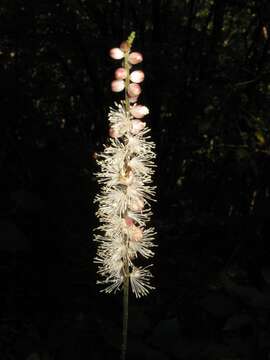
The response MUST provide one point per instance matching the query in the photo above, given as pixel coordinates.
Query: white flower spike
(125, 178)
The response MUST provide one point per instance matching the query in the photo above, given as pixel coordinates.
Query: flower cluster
(126, 170)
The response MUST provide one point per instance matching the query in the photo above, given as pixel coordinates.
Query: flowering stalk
(126, 170)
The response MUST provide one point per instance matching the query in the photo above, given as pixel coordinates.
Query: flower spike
(125, 178)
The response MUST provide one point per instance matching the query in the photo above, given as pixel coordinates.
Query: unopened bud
(136, 126)
(124, 46)
(117, 85)
(137, 76)
(116, 54)
(135, 58)
(139, 111)
(120, 73)
(134, 90)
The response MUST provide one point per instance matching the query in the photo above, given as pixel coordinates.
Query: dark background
(207, 86)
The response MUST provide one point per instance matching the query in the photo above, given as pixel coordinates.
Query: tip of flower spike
(131, 38)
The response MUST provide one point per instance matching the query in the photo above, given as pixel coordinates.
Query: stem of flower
(126, 265)
(126, 65)
(125, 315)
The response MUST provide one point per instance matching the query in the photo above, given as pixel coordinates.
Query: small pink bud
(133, 99)
(124, 46)
(117, 85)
(134, 90)
(136, 234)
(136, 205)
(137, 76)
(116, 54)
(135, 58)
(128, 221)
(139, 111)
(136, 126)
(120, 73)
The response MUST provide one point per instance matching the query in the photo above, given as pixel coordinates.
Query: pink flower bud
(136, 126)
(135, 58)
(116, 53)
(137, 76)
(139, 111)
(134, 90)
(133, 99)
(136, 233)
(120, 73)
(117, 85)
(136, 205)
(124, 46)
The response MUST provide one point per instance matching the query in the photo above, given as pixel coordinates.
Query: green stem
(125, 317)
(126, 65)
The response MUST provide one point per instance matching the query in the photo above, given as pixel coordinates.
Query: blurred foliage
(207, 85)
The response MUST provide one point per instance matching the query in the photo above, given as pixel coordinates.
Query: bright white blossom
(125, 178)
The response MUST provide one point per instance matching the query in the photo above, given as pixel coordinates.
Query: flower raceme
(125, 178)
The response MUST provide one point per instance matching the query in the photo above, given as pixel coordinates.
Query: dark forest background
(207, 86)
